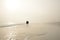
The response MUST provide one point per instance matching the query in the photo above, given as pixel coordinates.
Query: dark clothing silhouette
(27, 22)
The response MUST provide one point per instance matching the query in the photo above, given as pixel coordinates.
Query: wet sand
(30, 32)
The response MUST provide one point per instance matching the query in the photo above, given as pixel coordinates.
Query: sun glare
(11, 4)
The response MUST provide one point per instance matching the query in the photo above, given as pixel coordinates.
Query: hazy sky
(36, 11)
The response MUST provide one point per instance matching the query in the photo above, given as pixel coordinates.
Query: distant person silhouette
(27, 22)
